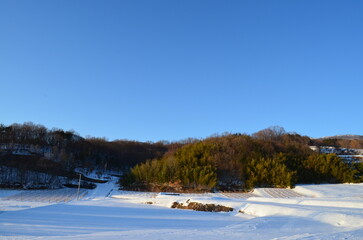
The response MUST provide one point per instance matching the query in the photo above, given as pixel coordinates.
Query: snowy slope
(307, 212)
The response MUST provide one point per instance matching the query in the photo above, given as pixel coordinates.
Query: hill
(346, 136)
(239, 162)
(32, 156)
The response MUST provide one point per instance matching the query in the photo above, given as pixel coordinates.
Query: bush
(189, 168)
(269, 172)
(326, 168)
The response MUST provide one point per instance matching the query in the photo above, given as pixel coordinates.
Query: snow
(349, 155)
(306, 212)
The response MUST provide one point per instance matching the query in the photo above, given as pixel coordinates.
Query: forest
(29, 149)
(32, 156)
(240, 162)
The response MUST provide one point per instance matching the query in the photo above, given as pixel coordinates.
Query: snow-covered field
(306, 212)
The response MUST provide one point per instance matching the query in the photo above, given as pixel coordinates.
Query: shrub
(269, 172)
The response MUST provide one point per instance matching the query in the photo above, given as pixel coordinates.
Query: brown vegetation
(202, 207)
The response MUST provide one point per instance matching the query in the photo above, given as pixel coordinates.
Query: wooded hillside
(28, 149)
(268, 158)
(32, 156)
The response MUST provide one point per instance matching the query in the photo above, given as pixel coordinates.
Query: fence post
(79, 186)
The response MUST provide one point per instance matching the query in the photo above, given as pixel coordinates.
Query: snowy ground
(306, 212)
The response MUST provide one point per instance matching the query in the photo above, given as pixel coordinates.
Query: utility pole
(79, 186)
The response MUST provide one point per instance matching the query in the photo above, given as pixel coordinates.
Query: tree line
(28, 148)
(240, 162)
(270, 157)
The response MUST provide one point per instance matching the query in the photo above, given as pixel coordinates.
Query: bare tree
(273, 133)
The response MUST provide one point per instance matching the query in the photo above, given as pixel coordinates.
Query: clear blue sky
(168, 70)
